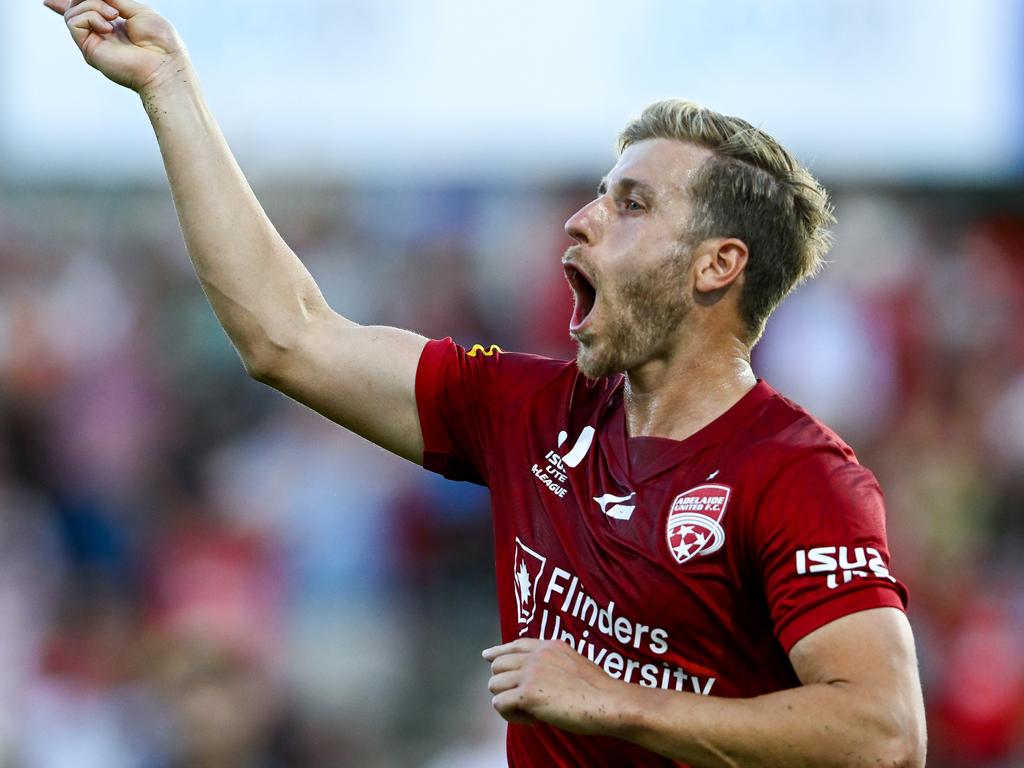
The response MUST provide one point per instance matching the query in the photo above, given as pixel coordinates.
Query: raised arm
(359, 376)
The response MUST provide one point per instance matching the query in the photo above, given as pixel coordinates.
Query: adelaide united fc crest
(695, 521)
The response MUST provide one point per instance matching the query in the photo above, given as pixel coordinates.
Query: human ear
(719, 262)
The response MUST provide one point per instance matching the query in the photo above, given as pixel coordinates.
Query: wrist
(174, 77)
(621, 712)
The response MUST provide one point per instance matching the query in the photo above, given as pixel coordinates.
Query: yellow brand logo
(485, 352)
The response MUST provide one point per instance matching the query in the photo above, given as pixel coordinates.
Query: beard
(639, 318)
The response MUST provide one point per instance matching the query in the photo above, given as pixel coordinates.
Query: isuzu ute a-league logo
(528, 567)
(555, 472)
(695, 522)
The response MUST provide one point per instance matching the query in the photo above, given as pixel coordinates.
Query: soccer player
(691, 569)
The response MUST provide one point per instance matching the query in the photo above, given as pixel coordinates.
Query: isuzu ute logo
(579, 450)
(695, 521)
(553, 472)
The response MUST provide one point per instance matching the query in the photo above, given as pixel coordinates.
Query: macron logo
(620, 511)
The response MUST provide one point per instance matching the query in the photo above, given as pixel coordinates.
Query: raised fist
(127, 41)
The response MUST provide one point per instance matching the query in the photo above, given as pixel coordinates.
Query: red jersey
(690, 565)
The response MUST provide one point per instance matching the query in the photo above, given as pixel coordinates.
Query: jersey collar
(643, 458)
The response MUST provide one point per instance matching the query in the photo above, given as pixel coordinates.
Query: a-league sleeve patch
(488, 352)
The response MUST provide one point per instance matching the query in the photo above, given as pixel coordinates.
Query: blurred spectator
(196, 572)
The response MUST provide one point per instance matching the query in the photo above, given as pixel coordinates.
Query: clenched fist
(127, 41)
(548, 680)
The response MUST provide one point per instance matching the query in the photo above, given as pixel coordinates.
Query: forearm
(261, 292)
(812, 725)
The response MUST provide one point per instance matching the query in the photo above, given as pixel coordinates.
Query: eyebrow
(627, 184)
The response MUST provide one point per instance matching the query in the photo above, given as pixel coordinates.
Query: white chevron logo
(620, 511)
(579, 450)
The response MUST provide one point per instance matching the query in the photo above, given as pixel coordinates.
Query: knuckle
(77, 9)
(527, 697)
(543, 655)
(501, 705)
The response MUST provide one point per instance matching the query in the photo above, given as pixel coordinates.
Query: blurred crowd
(196, 572)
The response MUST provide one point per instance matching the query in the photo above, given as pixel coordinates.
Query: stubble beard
(639, 319)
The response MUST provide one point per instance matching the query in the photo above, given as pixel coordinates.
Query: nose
(583, 225)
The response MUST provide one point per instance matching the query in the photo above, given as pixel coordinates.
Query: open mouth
(584, 295)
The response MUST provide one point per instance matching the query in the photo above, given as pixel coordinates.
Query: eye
(633, 205)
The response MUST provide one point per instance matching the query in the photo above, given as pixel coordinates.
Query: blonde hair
(750, 188)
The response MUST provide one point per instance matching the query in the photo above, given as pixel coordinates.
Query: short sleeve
(466, 398)
(820, 541)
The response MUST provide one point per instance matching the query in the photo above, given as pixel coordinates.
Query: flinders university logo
(695, 522)
(528, 567)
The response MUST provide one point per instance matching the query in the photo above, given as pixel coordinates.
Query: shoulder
(784, 435)
(788, 430)
(514, 377)
(794, 458)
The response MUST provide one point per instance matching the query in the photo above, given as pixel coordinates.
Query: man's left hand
(548, 680)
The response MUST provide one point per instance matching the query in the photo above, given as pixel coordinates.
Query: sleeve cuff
(800, 624)
(428, 374)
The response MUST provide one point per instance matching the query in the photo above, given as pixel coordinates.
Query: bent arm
(860, 705)
(265, 298)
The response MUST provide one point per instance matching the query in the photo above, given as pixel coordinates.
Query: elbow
(905, 746)
(264, 367)
(902, 753)
(258, 369)
(271, 354)
(264, 362)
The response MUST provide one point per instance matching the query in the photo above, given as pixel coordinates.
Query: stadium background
(196, 572)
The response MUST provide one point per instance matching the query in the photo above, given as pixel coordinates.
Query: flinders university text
(572, 616)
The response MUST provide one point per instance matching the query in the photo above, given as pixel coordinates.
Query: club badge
(695, 522)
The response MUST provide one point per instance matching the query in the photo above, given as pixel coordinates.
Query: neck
(676, 395)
